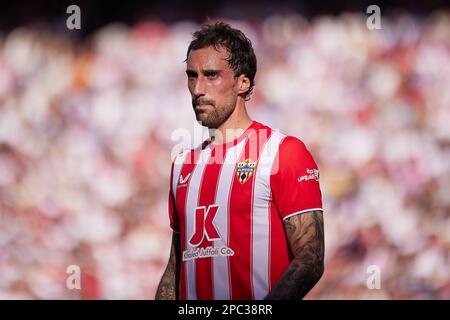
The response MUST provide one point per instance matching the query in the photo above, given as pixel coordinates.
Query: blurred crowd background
(88, 127)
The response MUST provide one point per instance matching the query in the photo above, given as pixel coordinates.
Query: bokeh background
(87, 123)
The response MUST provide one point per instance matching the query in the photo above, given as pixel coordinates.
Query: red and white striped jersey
(228, 203)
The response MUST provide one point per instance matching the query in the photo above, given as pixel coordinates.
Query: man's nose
(199, 88)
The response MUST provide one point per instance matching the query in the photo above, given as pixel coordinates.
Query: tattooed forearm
(305, 234)
(168, 286)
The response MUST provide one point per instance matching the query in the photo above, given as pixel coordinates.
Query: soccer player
(245, 206)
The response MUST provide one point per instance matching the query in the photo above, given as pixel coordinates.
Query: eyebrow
(211, 71)
(205, 71)
(190, 72)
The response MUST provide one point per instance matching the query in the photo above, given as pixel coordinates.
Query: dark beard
(214, 118)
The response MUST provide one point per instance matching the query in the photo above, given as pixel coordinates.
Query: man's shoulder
(294, 152)
(288, 143)
(291, 143)
(291, 146)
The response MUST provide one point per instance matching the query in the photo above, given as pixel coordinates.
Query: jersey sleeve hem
(300, 211)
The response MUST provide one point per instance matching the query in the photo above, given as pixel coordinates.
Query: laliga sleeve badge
(244, 170)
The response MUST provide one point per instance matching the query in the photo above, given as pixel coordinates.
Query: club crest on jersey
(244, 170)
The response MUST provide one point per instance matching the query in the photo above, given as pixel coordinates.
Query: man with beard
(245, 206)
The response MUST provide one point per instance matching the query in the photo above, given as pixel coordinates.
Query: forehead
(208, 58)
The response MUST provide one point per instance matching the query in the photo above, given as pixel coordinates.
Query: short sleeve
(173, 215)
(295, 179)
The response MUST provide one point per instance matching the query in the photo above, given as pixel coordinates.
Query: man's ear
(243, 84)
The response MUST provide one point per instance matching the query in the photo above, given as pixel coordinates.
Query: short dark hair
(242, 58)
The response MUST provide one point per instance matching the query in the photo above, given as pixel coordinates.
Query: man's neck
(232, 128)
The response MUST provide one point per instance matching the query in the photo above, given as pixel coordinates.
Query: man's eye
(212, 75)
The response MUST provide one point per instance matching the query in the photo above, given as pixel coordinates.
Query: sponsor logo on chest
(205, 229)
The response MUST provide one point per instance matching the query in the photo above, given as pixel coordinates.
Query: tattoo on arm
(306, 238)
(168, 288)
